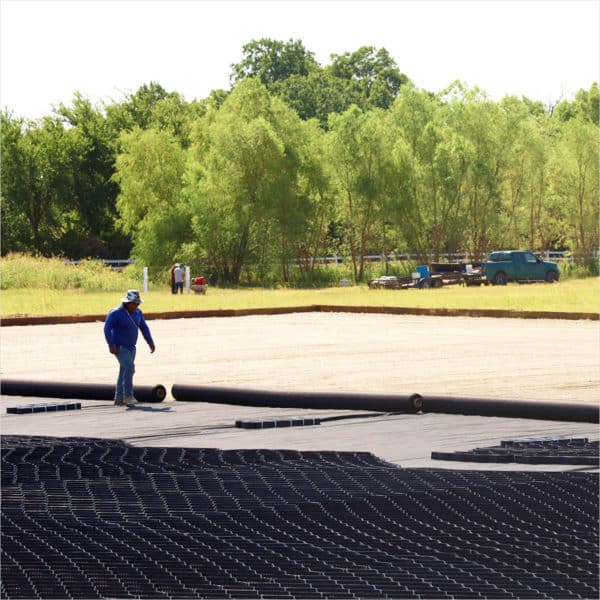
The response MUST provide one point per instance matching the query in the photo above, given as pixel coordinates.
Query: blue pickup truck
(518, 265)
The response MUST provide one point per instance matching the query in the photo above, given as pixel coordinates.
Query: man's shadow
(149, 408)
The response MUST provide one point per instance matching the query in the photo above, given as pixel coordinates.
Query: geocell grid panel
(88, 518)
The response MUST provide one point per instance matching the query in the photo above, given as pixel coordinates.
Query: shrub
(320, 276)
(22, 271)
(569, 270)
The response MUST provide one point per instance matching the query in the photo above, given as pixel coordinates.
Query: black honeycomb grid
(90, 518)
(541, 451)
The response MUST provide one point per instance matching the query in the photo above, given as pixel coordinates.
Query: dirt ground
(483, 357)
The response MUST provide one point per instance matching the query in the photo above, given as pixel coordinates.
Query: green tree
(415, 123)
(271, 60)
(574, 179)
(243, 182)
(150, 172)
(317, 193)
(368, 77)
(36, 179)
(92, 197)
(317, 94)
(360, 156)
(137, 108)
(151, 106)
(529, 216)
(488, 135)
(585, 106)
(16, 232)
(378, 77)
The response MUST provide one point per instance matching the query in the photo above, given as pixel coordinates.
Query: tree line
(297, 161)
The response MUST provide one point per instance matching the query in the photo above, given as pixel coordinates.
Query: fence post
(145, 279)
(188, 283)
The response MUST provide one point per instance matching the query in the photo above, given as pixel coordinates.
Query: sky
(106, 49)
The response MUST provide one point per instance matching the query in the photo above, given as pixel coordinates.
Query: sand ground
(482, 357)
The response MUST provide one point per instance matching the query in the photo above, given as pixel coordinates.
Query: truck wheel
(551, 276)
(500, 278)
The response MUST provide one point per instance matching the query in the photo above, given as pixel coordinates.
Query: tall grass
(20, 271)
(326, 275)
(570, 270)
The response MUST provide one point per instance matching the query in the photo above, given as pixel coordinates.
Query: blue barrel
(423, 271)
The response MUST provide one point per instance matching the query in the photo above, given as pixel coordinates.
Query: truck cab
(518, 265)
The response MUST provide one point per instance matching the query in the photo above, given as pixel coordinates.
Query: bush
(320, 276)
(323, 276)
(569, 270)
(22, 271)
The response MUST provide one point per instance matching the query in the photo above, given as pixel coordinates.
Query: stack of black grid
(88, 518)
(540, 451)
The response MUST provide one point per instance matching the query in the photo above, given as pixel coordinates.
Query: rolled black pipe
(79, 391)
(521, 409)
(279, 399)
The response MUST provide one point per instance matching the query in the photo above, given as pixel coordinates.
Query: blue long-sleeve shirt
(121, 328)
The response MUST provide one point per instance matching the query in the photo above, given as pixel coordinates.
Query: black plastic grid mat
(542, 451)
(24, 409)
(89, 518)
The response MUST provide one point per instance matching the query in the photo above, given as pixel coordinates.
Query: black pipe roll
(486, 407)
(283, 399)
(79, 391)
(521, 409)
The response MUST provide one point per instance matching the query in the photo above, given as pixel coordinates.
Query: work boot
(130, 400)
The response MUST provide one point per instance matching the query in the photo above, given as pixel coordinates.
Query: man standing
(179, 277)
(121, 333)
(172, 272)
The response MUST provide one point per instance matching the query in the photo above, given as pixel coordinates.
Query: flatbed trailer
(435, 275)
(391, 282)
(460, 273)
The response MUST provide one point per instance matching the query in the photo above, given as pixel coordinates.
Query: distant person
(121, 332)
(179, 277)
(172, 271)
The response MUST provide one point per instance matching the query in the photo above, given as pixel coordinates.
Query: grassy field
(574, 295)
(50, 286)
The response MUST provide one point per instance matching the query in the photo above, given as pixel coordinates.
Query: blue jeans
(126, 360)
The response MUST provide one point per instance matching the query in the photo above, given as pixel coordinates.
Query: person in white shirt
(178, 279)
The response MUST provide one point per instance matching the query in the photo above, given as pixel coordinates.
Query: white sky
(49, 49)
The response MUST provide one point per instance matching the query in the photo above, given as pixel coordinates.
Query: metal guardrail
(114, 263)
(552, 255)
(450, 257)
(382, 257)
